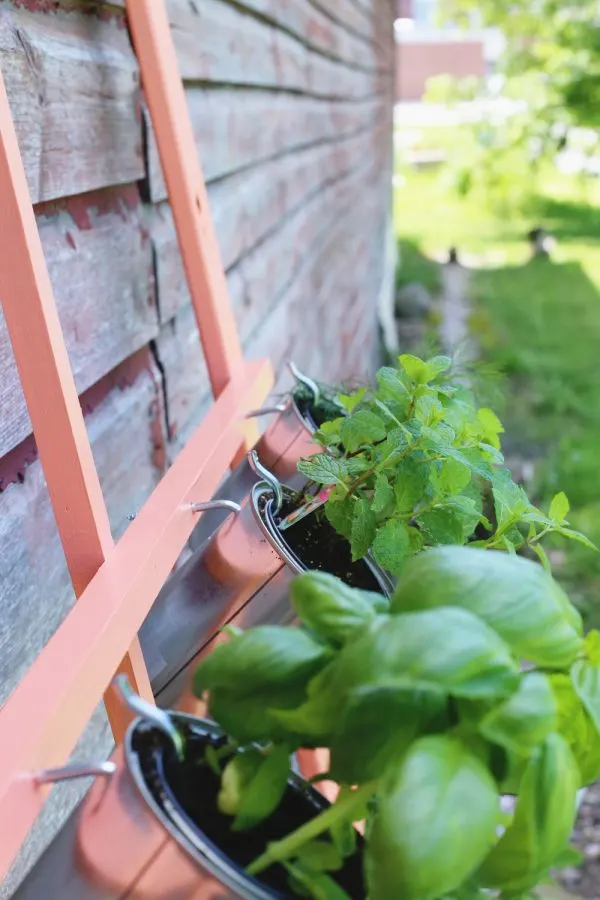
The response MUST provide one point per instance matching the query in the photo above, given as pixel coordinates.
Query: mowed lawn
(538, 321)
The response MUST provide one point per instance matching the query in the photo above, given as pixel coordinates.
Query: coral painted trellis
(115, 583)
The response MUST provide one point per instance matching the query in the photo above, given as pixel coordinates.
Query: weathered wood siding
(291, 104)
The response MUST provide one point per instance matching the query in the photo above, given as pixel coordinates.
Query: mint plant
(411, 463)
(430, 717)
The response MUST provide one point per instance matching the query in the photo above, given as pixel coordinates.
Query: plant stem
(289, 845)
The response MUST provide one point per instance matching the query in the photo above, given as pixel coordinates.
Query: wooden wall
(291, 104)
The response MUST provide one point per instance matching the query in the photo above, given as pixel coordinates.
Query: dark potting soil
(317, 545)
(193, 787)
(324, 410)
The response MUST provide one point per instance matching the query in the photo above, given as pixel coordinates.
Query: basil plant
(410, 464)
(474, 681)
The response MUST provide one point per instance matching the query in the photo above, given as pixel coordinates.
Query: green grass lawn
(539, 322)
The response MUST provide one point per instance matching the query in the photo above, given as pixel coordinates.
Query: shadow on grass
(569, 220)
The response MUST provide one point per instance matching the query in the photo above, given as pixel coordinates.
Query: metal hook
(75, 770)
(267, 410)
(158, 717)
(216, 504)
(306, 381)
(268, 477)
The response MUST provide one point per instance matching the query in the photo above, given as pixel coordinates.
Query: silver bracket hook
(267, 410)
(216, 504)
(269, 479)
(158, 717)
(75, 770)
(306, 381)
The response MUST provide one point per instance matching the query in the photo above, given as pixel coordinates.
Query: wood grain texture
(73, 86)
(303, 23)
(236, 129)
(250, 206)
(100, 263)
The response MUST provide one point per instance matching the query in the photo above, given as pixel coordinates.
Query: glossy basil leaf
(522, 721)
(320, 856)
(262, 793)
(253, 717)
(378, 726)
(317, 885)
(436, 819)
(586, 681)
(330, 608)
(515, 596)
(265, 657)
(343, 834)
(448, 650)
(237, 775)
(592, 647)
(362, 427)
(578, 729)
(542, 823)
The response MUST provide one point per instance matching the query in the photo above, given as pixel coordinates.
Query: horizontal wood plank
(238, 129)
(212, 24)
(73, 86)
(249, 206)
(100, 262)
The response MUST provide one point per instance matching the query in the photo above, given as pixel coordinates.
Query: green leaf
(343, 833)
(452, 476)
(329, 434)
(391, 384)
(522, 721)
(410, 485)
(559, 508)
(330, 608)
(363, 529)
(362, 427)
(586, 681)
(510, 500)
(438, 364)
(578, 729)
(264, 791)
(415, 368)
(491, 426)
(520, 601)
(324, 469)
(351, 401)
(442, 525)
(340, 514)
(254, 717)
(392, 545)
(542, 556)
(378, 726)
(570, 857)
(317, 885)
(237, 775)
(384, 494)
(436, 820)
(575, 536)
(320, 856)
(543, 820)
(262, 658)
(592, 647)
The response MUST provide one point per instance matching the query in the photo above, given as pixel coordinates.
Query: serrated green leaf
(522, 721)
(442, 526)
(325, 469)
(329, 434)
(452, 476)
(510, 501)
(575, 536)
(436, 819)
(384, 494)
(392, 545)
(542, 823)
(438, 364)
(390, 383)
(362, 427)
(414, 367)
(428, 409)
(363, 529)
(351, 401)
(512, 594)
(340, 514)
(559, 508)
(491, 426)
(330, 608)
(410, 485)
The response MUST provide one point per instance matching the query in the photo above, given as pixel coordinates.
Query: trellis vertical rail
(49, 387)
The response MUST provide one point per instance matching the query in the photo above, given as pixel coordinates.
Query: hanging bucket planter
(152, 829)
(287, 440)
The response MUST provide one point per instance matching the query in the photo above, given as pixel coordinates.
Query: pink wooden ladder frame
(115, 583)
